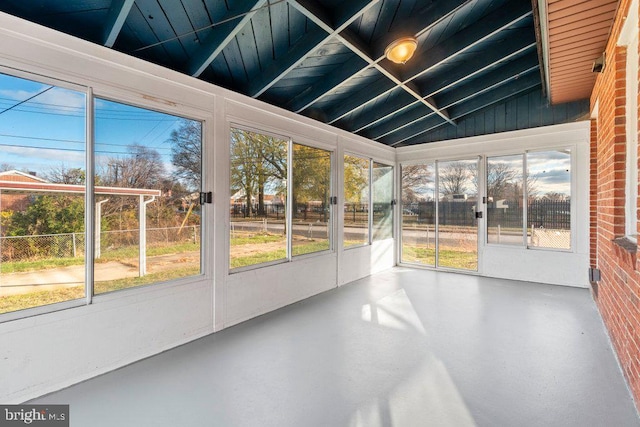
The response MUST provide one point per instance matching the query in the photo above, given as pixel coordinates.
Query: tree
(5, 167)
(454, 178)
(356, 179)
(186, 153)
(141, 167)
(552, 195)
(414, 177)
(502, 177)
(258, 164)
(64, 175)
(311, 179)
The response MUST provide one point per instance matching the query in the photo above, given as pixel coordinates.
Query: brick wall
(618, 293)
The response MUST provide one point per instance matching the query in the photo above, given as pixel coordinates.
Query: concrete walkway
(67, 277)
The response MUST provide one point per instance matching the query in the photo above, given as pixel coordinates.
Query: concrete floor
(402, 348)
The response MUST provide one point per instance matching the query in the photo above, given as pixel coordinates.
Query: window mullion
(89, 201)
(370, 201)
(289, 203)
(525, 200)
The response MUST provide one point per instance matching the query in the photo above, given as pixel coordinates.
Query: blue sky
(49, 130)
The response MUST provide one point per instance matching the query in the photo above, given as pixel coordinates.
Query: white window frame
(629, 38)
(123, 97)
(291, 140)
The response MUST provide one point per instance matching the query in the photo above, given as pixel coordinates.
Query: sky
(48, 130)
(550, 169)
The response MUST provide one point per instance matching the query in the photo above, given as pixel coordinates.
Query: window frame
(145, 101)
(369, 241)
(525, 197)
(135, 102)
(234, 123)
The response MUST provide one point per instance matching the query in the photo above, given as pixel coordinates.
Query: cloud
(56, 100)
(40, 158)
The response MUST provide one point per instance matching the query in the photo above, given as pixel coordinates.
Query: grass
(300, 247)
(39, 298)
(447, 258)
(106, 256)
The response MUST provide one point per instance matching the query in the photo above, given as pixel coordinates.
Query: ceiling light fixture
(401, 50)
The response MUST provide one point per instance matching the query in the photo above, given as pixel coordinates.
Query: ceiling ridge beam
(221, 36)
(407, 86)
(356, 45)
(436, 13)
(277, 70)
(116, 18)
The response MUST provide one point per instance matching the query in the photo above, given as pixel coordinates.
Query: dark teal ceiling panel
(325, 58)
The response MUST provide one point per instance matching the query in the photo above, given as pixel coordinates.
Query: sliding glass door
(439, 205)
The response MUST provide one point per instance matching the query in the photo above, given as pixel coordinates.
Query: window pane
(418, 214)
(42, 176)
(457, 224)
(382, 190)
(356, 201)
(504, 204)
(258, 198)
(311, 191)
(549, 204)
(148, 176)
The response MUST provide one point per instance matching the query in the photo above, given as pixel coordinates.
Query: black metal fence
(553, 214)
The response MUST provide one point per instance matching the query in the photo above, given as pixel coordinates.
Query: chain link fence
(72, 245)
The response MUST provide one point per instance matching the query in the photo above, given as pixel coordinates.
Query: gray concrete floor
(402, 348)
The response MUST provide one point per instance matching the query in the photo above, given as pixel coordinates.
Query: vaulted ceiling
(325, 58)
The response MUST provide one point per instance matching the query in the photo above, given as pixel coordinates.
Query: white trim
(629, 38)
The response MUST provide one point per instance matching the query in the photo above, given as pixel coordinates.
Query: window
(548, 192)
(382, 195)
(418, 214)
(42, 177)
(265, 226)
(631, 193)
(146, 183)
(148, 179)
(356, 201)
(505, 200)
(258, 198)
(311, 200)
(545, 190)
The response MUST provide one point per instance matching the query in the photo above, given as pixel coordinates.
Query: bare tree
(454, 178)
(501, 178)
(142, 167)
(5, 167)
(186, 153)
(62, 174)
(413, 177)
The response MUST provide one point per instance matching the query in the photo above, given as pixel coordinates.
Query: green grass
(447, 258)
(40, 298)
(256, 239)
(131, 282)
(37, 265)
(258, 258)
(120, 254)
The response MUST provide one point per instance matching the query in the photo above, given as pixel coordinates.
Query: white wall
(44, 353)
(545, 266)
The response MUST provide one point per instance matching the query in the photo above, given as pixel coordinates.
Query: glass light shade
(401, 50)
